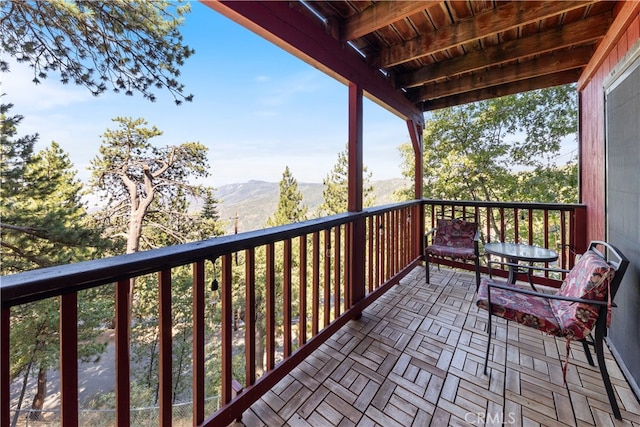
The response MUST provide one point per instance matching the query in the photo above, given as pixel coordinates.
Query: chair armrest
(430, 232)
(540, 294)
(427, 234)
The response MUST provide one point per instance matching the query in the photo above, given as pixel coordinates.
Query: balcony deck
(416, 358)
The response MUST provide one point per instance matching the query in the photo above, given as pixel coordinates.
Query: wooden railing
(293, 286)
(560, 227)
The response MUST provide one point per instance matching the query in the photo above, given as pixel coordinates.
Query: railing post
(165, 357)
(250, 316)
(357, 255)
(123, 323)
(270, 300)
(69, 359)
(199, 301)
(579, 230)
(418, 224)
(302, 311)
(227, 325)
(286, 295)
(5, 363)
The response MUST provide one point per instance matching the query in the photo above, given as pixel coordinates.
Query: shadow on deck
(415, 358)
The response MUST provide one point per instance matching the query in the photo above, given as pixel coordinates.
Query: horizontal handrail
(557, 226)
(498, 204)
(349, 260)
(47, 282)
(342, 264)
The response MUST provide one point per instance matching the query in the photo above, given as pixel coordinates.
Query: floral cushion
(454, 238)
(589, 279)
(529, 310)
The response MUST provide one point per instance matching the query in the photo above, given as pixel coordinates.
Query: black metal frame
(619, 264)
(476, 260)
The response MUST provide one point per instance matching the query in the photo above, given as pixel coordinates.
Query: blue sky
(257, 108)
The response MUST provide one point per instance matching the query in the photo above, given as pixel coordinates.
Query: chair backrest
(594, 278)
(615, 258)
(455, 232)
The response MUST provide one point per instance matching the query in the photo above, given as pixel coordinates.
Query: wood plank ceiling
(439, 54)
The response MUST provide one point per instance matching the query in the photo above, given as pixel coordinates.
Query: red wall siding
(593, 132)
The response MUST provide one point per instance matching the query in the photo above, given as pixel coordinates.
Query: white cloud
(46, 95)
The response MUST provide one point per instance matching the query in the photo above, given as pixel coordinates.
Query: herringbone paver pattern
(415, 358)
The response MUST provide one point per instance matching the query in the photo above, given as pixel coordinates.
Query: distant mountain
(255, 201)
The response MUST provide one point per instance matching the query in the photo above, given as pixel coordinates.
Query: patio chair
(453, 238)
(581, 305)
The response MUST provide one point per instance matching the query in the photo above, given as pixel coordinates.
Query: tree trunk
(41, 394)
(133, 244)
(14, 422)
(135, 231)
(150, 377)
(133, 239)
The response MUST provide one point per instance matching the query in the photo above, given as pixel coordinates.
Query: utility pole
(235, 231)
(235, 224)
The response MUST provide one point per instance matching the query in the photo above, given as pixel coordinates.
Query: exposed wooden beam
(379, 15)
(492, 22)
(580, 32)
(561, 61)
(629, 11)
(294, 32)
(565, 77)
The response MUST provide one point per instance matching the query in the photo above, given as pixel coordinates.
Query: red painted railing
(560, 227)
(340, 264)
(312, 277)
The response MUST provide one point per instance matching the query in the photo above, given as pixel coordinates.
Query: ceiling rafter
(504, 18)
(380, 15)
(541, 82)
(561, 61)
(588, 30)
(414, 56)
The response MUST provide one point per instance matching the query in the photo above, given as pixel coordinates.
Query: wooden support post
(357, 243)
(418, 226)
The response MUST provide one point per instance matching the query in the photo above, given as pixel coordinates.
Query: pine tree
(336, 191)
(210, 224)
(135, 176)
(44, 223)
(289, 209)
(133, 46)
(15, 154)
(148, 191)
(210, 207)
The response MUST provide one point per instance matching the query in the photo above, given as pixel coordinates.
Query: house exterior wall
(592, 135)
(625, 327)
